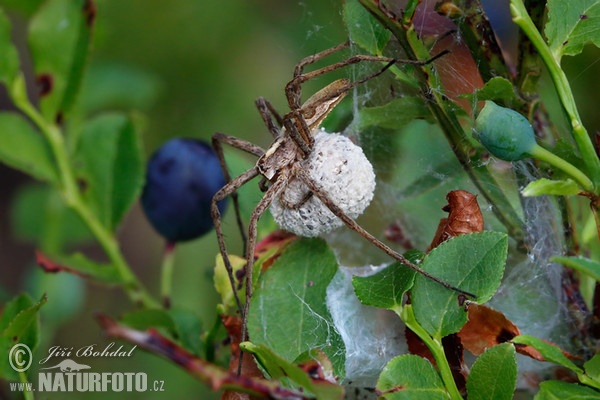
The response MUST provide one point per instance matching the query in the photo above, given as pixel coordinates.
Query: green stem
(28, 395)
(542, 154)
(436, 348)
(166, 281)
(72, 197)
(583, 140)
(443, 111)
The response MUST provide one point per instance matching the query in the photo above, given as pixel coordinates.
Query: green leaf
(280, 369)
(386, 288)
(111, 166)
(117, 87)
(394, 114)
(183, 326)
(592, 367)
(497, 88)
(40, 215)
(410, 377)
(9, 62)
(474, 263)
(18, 325)
(80, 265)
(288, 312)
(222, 284)
(23, 148)
(494, 374)
(59, 36)
(363, 28)
(550, 352)
(26, 7)
(545, 186)
(581, 264)
(559, 390)
(571, 25)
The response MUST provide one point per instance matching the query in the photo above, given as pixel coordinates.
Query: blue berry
(181, 178)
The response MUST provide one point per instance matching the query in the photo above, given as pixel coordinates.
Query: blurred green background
(190, 68)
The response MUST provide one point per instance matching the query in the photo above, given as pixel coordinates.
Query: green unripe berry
(504, 132)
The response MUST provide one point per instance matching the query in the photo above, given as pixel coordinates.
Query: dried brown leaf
(464, 216)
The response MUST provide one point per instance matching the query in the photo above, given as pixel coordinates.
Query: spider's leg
(268, 112)
(338, 212)
(270, 195)
(229, 190)
(218, 140)
(293, 90)
(295, 126)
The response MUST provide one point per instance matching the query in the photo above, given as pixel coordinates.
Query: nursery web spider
(285, 160)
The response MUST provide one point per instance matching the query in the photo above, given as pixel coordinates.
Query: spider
(285, 161)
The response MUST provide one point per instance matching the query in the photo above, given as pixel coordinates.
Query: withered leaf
(485, 328)
(464, 216)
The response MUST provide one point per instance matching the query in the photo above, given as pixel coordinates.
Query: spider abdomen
(342, 170)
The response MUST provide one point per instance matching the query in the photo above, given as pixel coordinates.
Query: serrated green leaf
(581, 264)
(550, 352)
(111, 166)
(59, 36)
(494, 374)
(571, 25)
(9, 62)
(386, 288)
(394, 114)
(410, 377)
(559, 390)
(40, 215)
(544, 186)
(23, 148)
(280, 369)
(474, 263)
(497, 88)
(288, 312)
(18, 325)
(363, 28)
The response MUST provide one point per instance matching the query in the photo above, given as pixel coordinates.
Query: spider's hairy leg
(297, 128)
(228, 190)
(218, 139)
(267, 113)
(274, 190)
(302, 174)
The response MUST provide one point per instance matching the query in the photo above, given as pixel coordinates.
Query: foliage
(92, 167)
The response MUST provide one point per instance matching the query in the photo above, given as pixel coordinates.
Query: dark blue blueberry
(181, 178)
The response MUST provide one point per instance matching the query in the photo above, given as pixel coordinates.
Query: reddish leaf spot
(583, 16)
(90, 10)
(15, 338)
(45, 83)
